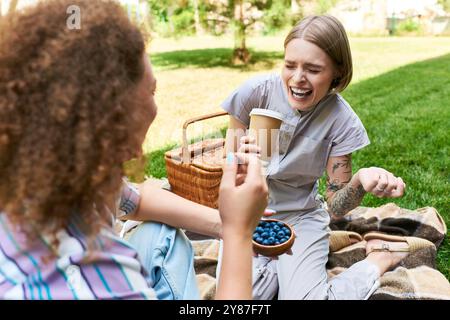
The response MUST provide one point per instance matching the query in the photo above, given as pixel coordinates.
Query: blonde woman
(320, 131)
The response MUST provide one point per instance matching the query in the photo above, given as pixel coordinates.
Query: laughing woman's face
(307, 74)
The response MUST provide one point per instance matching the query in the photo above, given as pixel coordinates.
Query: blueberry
(259, 230)
(276, 228)
(287, 232)
(272, 234)
(259, 240)
(281, 234)
(281, 224)
(264, 235)
(266, 229)
(255, 235)
(271, 240)
(265, 242)
(277, 242)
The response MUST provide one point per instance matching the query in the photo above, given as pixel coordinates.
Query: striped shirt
(29, 271)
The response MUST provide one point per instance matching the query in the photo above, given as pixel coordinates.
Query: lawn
(401, 93)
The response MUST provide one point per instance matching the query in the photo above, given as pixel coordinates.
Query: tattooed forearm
(344, 163)
(335, 185)
(346, 199)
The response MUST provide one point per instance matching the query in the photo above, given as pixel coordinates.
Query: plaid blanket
(414, 278)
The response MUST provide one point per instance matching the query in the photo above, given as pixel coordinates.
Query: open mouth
(300, 94)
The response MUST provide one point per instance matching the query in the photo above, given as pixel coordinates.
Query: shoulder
(339, 107)
(339, 113)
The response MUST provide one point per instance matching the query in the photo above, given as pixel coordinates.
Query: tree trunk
(12, 6)
(145, 16)
(170, 11)
(198, 27)
(240, 54)
(295, 8)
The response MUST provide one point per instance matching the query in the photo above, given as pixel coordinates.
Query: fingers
(248, 140)
(248, 145)
(254, 170)
(256, 182)
(392, 184)
(399, 190)
(381, 185)
(389, 186)
(229, 172)
(240, 179)
(250, 148)
(269, 212)
(244, 158)
(381, 182)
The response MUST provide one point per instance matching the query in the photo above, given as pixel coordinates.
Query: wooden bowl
(274, 250)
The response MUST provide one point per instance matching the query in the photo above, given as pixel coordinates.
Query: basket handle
(185, 153)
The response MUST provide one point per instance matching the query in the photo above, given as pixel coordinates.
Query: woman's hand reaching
(242, 196)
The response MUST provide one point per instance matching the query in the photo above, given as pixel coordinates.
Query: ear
(335, 82)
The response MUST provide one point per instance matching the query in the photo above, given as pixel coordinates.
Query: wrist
(355, 181)
(238, 234)
(356, 184)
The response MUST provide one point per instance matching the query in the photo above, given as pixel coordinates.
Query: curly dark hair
(65, 128)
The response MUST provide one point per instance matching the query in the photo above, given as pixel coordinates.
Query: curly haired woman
(74, 105)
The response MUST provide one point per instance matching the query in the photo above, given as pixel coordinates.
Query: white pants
(303, 275)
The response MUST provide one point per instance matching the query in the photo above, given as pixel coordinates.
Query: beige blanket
(414, 278)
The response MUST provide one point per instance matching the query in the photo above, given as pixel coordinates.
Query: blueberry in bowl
(272, 237)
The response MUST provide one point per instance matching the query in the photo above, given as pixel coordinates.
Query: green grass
(403, 103)
(213, 58)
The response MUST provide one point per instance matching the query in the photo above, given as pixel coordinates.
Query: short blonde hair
(327, 33)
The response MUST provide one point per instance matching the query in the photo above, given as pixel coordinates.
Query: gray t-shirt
(306, 140)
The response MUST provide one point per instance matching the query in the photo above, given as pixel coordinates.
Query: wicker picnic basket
(194, 171)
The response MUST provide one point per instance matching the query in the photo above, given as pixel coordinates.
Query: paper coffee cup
(264, 127)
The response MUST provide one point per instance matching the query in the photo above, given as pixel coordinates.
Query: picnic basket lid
(206, 154)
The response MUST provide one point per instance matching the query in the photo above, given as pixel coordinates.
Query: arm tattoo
(335, 185)
(346, 199)
(344, 196)
(345, 163)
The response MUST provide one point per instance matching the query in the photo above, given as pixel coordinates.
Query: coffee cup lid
(267, 113)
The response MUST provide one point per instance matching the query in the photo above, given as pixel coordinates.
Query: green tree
(279, 14)
(244, 14)
(198, 26)
(323, 6)
(173, 17)
(445, 4)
